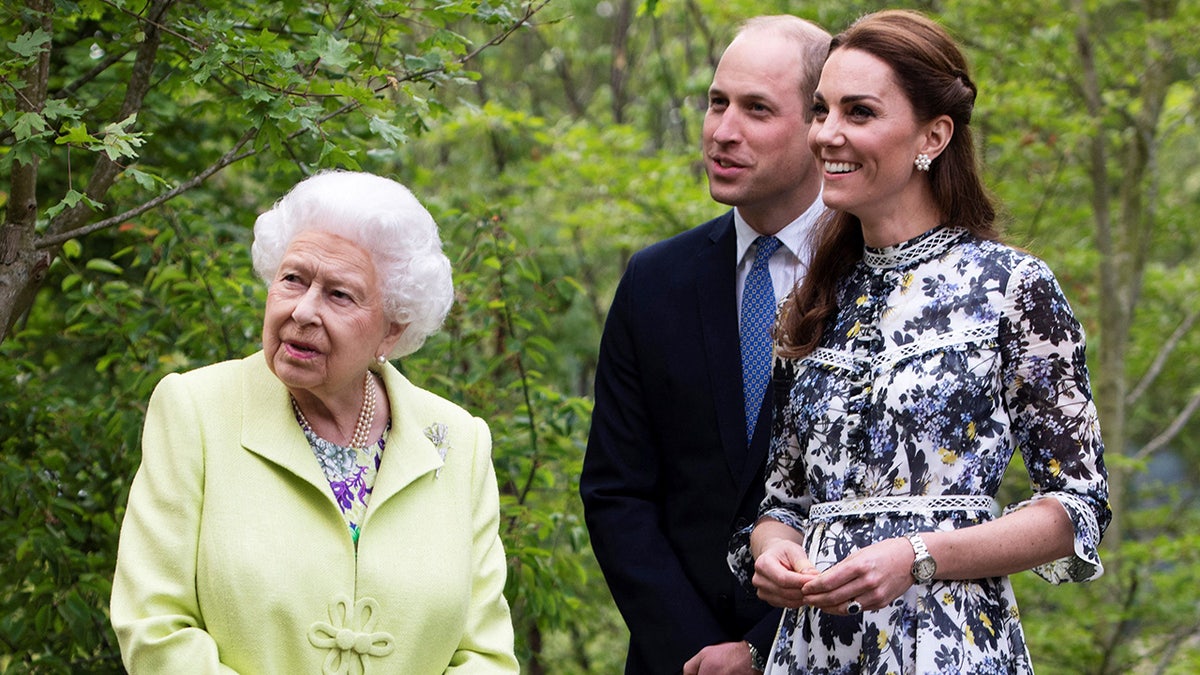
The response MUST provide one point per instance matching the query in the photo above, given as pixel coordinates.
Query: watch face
(924, 568)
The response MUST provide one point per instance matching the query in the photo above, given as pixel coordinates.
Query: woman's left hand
(871, 576)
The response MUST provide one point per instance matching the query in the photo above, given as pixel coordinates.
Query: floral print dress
(350, 472)
(947, 354)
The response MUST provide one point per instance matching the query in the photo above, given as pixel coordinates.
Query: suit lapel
(716, 296)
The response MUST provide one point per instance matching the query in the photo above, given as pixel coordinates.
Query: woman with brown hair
(924, 353)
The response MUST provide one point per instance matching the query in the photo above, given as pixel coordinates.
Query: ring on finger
(854, 607)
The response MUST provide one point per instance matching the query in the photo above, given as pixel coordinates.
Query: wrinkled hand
(874, 576)
(727, 658)
(781, 572)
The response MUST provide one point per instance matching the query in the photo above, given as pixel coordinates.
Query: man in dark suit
(677, 449)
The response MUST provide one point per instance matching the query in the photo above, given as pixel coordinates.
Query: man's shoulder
(687, 243)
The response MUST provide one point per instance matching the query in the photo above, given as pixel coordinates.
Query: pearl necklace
(366, 415)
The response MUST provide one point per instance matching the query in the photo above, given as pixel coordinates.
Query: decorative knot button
(350, 637)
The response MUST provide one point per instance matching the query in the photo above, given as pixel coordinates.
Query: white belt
(916, 504)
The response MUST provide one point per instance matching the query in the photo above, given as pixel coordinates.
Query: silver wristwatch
(924, 566)
(758, 661)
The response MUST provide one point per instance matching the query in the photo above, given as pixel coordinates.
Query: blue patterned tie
(758, 313)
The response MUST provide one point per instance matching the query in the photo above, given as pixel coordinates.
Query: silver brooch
(436, 433)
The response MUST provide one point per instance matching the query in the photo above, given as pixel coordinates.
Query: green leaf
(104, 265)
(57, 108)
(145, 180)
(72, 248)
(30, 44)
(29, 125)
(119, 141)
(76, 134)
(333, 52)
(334, 155)
(392, 135)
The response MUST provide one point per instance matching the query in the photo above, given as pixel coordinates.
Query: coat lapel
(269, 428)
(410, 452)
(716, 294)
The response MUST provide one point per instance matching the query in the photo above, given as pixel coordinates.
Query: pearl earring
(381, 359)
(923, 162)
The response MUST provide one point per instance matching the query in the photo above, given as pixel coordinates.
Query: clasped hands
(871, 576)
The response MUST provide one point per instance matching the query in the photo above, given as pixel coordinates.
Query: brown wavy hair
(931, 70)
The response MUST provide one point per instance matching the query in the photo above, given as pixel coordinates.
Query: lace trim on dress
(926, 505)
(924, 247)
(888, 358)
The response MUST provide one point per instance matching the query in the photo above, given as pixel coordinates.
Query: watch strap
(924, 566)
(758, 661)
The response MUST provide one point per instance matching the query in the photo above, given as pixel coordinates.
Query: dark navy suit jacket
(668, 476)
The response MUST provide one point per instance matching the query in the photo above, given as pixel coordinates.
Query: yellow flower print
(987, 623)
(855, 330)
(948, 455)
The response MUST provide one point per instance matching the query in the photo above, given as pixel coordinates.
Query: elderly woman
(307, 509)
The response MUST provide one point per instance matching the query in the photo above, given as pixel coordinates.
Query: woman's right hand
(781, 567)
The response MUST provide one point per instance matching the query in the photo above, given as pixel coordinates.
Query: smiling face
(324, 322)
(865, 136)
(754, 138)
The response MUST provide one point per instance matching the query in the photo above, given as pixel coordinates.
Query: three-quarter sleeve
(1054, 420)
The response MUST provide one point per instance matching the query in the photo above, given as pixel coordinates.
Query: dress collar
(925, 246)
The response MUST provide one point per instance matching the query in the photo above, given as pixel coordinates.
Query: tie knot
(766, 248)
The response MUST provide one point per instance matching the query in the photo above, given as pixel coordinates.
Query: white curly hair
(384, 218)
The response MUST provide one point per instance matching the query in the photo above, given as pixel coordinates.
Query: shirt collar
(794, 236)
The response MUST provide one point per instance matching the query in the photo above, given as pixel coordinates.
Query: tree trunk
(22, 267)
(619, 70)
(24, 258)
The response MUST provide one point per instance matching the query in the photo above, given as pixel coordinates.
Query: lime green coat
(234, 556)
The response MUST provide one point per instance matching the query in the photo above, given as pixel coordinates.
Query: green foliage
(1140, 617)
(73, 386)
(506, 305)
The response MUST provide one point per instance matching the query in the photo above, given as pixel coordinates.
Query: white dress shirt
(789, 262)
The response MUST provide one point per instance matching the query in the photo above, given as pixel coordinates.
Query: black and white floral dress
(946, 354)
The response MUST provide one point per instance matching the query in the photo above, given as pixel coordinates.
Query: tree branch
(712, 51)
(1172, 430)
(1164, 353)
(106, 170)
(562, 67)
(233, 155)
(62, 233)
(21, 213)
